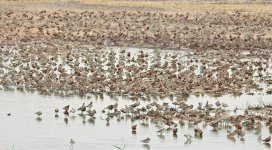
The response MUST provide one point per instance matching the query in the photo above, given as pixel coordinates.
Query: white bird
(161, 131)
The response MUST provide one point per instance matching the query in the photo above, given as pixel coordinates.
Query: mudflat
(153, 24)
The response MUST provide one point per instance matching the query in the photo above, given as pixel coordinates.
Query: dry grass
(183, 5)
(171, 5)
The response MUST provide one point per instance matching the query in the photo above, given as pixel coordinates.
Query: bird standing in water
(147, 140)
(134, 127)
(267, 140)
(72, 142)
(66, 110)
(39, 113)
(82, 108)
(161, 131)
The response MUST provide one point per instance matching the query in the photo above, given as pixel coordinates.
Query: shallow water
(22, 131)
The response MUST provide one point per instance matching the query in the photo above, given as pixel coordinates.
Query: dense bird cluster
(224, 30)
(87, 53)
(83, 70)
(63, 53)
(170, 117)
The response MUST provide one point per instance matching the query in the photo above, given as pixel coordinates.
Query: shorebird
(214, 124)
(91, 113)
(72, 142)
(231, 134)
(66, 112)
(147, 140)
(188, 137)
(108, 121)
(225, 105)
(135, 104)
(198, 132)
(110, 107)
(82, 108)
(175, 130)
(161, 131)
(39, 113)
(66, 108)
(134, 127)
(90, 105)
(217, 103)
(267, 140)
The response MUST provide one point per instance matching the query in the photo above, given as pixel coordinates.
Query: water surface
(22, 130)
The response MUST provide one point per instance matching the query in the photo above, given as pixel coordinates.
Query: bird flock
(90, 53)
(137, 74)
(171, 117)
(207, 30)
(63, 53)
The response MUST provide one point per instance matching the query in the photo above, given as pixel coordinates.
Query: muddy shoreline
(117, 24)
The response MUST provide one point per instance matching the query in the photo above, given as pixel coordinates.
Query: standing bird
(134, 127)
(135, 105)
(110, 107)
(82, 108)
(66, 108)
(39, 113)
(90, 105)
(147, 140)
(175, 130)
(188, 137)
(225, 105)
(161, 131)
(91, 113)
(198, 132)
(214, 124)
(56, 113)
(267, 140)
(72, 142)
(217, 103)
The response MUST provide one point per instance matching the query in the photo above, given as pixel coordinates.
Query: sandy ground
(139, 5)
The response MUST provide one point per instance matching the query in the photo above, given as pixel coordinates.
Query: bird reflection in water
(39, 119)
(267, 145)
(146, 146)
(66, 120)
(162, 137)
